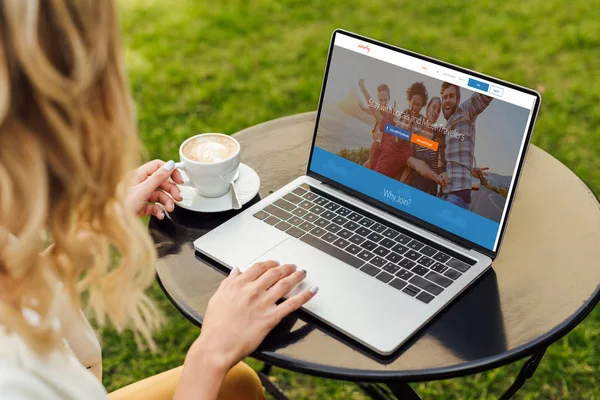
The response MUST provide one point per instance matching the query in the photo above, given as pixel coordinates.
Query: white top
(72, 373)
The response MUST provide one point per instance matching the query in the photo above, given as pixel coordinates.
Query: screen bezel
(404, 215)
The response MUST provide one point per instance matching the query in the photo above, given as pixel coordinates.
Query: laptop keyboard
(378, 250)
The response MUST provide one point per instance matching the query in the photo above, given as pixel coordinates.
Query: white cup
(210, 179)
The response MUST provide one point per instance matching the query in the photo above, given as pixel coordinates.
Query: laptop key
(286, 205)
(272, 220)
(420, 270)
(393, 257)
(403, 239)
(426, 261)
(428, 251)
(331, 206)
(261, 215)
(437, 278)
(341, 243)
(299, 212)
(332, 250)
(311, 196)
(426, 285)
(390, 233)
(369, 245)
(441, 257)
(322, 222)
(371, 270)
(437, 267)
(310, 217)
(317, 209)
(374, 236)
(343, 211)
(339, 220)
(398, 284)
(404, 274)
(305, 204)
(425, 297)
(379, 228)
(413, 255)
(456, 264)
(295, 232)
(366, 222)
(365, 255)
(406, 263)
(384, 277)
(415, 245)
(292, 198)
(398, 248)
(333, 228)
(329, 237)
(387, 243)
(378, 261)
(295, 220)
(282, 226)
(328, 215)
(362, 231)
(299, 191)
(452, 274)
(350, 225)
(353, 249)
(381, 251)
(306, 226)
(278, 212)
(318, 231)
(345, 233)
(391, 268)
(321, 201)
(411, 290)
(357, 239)
(354, 217)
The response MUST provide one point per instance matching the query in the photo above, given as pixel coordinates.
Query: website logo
(364, 47)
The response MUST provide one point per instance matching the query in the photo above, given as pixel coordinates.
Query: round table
(543, 284)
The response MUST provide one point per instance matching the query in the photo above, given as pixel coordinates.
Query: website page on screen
(431, 141)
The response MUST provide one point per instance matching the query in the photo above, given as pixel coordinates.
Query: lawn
(198, 66)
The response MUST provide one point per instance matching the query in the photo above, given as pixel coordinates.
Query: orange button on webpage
(424, 142)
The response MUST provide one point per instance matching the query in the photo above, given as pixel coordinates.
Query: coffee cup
(210, 161)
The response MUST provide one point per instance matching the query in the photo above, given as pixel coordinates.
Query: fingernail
(162, 215)
(304, 272)
(169, 165)
(314, 289)
(294, 267)
(276, 262)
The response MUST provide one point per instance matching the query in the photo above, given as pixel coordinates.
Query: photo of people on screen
(422, 131)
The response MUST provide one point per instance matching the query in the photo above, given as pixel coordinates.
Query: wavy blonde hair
(67, 139)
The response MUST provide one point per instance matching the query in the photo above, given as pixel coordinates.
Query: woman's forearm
(203, 374)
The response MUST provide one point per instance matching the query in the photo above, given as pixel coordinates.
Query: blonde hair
(67, 139)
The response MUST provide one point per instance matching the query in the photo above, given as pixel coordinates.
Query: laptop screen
(431, 140)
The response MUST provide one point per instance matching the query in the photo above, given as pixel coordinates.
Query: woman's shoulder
(25, 374)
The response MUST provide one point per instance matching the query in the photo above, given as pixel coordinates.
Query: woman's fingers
(154, 209)
(257, 270)
(172, 189)
(295, 302)
(284, 285)
(158, 196)
(274, 275)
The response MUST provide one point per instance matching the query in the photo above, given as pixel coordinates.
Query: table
(543, 284)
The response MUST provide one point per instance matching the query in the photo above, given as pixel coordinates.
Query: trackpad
(348, 299)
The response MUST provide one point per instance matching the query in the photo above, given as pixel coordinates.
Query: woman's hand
(239, 316)
(151, 186)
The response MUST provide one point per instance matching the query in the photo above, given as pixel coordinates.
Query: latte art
(210, 149)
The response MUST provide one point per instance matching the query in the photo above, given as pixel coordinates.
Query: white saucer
(247, 186)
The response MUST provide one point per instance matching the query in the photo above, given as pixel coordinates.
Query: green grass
(198, 66)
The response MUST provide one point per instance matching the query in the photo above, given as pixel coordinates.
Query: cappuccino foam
(210, 149)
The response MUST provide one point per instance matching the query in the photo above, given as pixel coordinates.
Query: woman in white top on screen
(67, 139)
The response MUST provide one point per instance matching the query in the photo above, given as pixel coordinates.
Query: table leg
(269, 386)
(525, 373)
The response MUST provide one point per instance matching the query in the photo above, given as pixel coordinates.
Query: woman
(395, 151)
(67, 139)
(383, 115)
(433, 158)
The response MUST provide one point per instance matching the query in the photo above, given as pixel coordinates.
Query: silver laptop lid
(435, 143)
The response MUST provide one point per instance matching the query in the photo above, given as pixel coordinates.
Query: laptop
(412, 172)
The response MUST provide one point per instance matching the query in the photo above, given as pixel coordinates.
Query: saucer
(247, 186)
